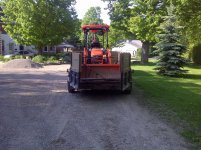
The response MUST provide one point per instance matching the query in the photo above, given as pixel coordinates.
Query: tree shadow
(192, 76)
(140, 64)
(194, 66)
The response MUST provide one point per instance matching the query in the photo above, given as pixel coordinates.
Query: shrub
(38, 59)
(51, 59)
(64, 57)
(59, 55)
(18, 57)
(196, 54)
(7, 59)
(1, 58)
(49, 54)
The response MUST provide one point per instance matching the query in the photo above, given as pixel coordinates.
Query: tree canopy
(140, 19)
(189, 14)
(38, 22)
(92, 16)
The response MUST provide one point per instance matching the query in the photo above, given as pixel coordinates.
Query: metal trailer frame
(116, 76)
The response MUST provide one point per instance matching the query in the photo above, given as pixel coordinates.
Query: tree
(74, 38)
(139, 18)
(170, 49)
(92, 16)
(146, 17)
(117, 36)
(38, 22)
(189, 14)
(119, 16)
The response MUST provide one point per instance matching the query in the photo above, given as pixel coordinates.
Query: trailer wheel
(70, 88)
(128, 90)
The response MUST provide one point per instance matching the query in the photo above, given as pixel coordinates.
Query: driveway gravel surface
(37, 113)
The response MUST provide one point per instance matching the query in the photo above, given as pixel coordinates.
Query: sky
(83, 5)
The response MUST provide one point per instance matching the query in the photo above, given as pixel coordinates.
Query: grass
(178, 99)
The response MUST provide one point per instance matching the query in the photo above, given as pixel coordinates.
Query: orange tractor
(96, 67)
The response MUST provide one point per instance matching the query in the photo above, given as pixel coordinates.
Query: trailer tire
(128, 90)
(70, 88)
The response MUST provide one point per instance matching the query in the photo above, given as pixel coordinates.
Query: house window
(21, 47)
(3, 46)
(45, 49)
(51, 49)
(11, 48)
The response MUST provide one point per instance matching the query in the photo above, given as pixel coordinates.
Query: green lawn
(178, 99)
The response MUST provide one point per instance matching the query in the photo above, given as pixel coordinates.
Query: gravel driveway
(37, 113)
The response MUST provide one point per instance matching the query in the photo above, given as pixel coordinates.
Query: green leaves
(145, 19)
(189, 12)
(39, 22)
(92, 16)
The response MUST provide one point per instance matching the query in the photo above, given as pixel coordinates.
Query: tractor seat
(96, 56)
(95, 45)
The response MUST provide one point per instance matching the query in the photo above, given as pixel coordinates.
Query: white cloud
(83, 5)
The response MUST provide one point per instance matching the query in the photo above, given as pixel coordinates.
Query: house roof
(137, 43)
(65, 45)
(130, 44)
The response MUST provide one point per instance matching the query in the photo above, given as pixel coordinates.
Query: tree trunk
(40, 49)
(145, 52)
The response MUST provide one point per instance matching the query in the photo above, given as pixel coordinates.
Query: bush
(39, 59)
(196, 54)
(47, 55)
(5, 59)
(17, 57)
(51, 59)
(1, 58)
(59, 55)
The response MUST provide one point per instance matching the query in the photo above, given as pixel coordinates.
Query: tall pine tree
(170, 49)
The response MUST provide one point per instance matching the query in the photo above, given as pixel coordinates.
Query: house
(64, 47)
(1, 30)
(9, 46)
(129, 47)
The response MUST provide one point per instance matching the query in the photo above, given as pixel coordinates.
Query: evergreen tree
(169, 47)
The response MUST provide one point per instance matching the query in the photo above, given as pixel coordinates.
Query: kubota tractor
(97, 67)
